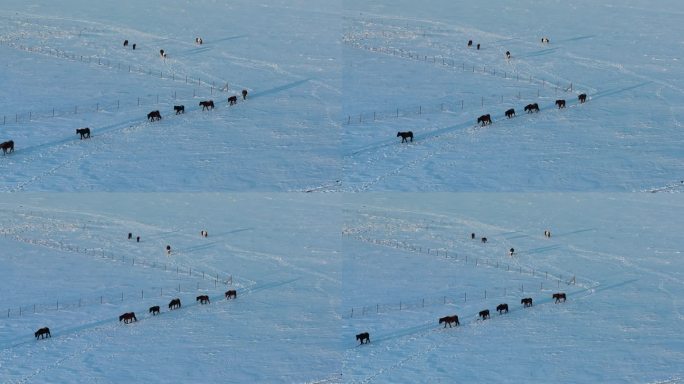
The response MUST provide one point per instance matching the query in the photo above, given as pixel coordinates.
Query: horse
(207, 104)
(162, 53)
(478, 46)
(470, 43)
(203, 299)
(7, 146)
(84, 132)
(168, 249)
(448, 320)
(582, 98)
(198, 40)
(529, 108)
(42, 333)
(175, 303)
(134, 46)
(232, 100)
(502, 308)
(508, 55)
(483, 240)
(154, 115)
(510, 113)
(137, 239)
(363, 337)
(559, 296)
(484, 314)
(128, 317)
(511, 252)
(405, 135)
(526, 302)
(244, 94)
(545, 40)
(154, 310)
(560, 103)
(472, 236)
(547, 233)
(125, 43)
(231, 293)
(130, 235)
(179, 109)
(484, 120)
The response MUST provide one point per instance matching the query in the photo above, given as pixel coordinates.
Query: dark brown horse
(207, 104)
(484, 120)
(244, 94)
(154, 115)
(405, 135)
(84, 132)
(363, 337)
(484, 314)
(231, 293)
(232, 100)
(179, 109)
(529, 108)
(560, 103)
(502, 308)
(175, 303)
(43, 333)
(559, 296)
(449, 320)
(582, 98)
(510, 113)
(526, 302)
(128, 317)
(203, 299)
(7, 146)
(154, 310)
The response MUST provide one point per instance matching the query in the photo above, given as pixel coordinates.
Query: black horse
(545, 40)
(231, 293)
(529, 108)
(582, 98)
(175, 303)
(84, 132)
(207, 104)
(405, 135)
(154, 115)
(203, 299)
(244, 94)
(179, 109)
(125, 43)
(510, 113)
(484, 120)
(502, 308)
(42, 333)
(484, 314)
(154, 310)
(560, 103)
(449, 320)
(470, 43)
(559, 296)
(508, 55)
(232, 100)
(128, 317)
(483, 240)
(7, 146)
(363, 337)
(526, 302)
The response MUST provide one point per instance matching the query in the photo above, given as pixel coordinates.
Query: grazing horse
(529, 108)
(484, 240)
(231, 293)
(175, 303)
(125, 43)
(244, 94)
(207, 104)
(560, 103)
(484, 120)
(526, 302)
(363, 337)
(179, 109)
(232, 100)
(510, 113)
(7, 146)
(154, 310)
(559, 296)
(484, 314)
(405, 135)
(449, 320)
(84, 132)
(545, 40)
(154, 115)
(128, 317)
(43, 333)
(502, 308)
(582, 98)
(203, 299)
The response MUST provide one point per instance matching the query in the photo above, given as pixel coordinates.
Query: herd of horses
(129, 317)
(205, 104)
(482, 315)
